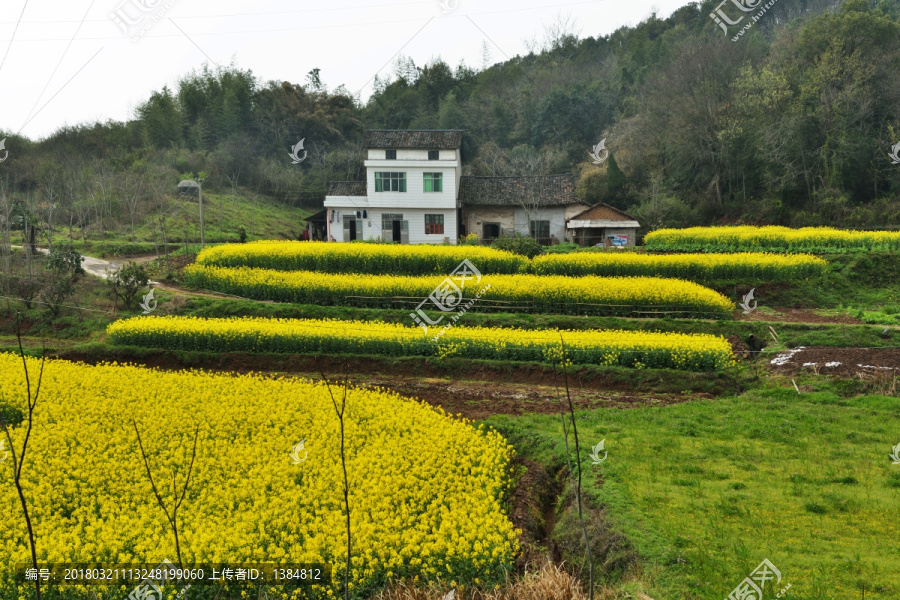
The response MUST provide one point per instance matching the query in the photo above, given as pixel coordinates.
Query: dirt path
(480, 399)
(99, 267)
(845, 362)
(797, 315)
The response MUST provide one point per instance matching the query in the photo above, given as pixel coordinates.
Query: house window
(540, 230)
(390, 154)
(434, 154)
(434, 224)
(433, 182)
(390, 182)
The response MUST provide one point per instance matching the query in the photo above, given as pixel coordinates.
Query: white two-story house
(415, 193)
(410, 194)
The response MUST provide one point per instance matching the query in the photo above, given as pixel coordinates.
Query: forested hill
(790, 122)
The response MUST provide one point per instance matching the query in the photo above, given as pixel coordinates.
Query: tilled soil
(478, 400)
(844, 362)
(797, 315)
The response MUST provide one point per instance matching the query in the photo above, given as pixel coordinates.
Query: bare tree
(171, 517)
(132, 189)
(575, 473)
(233, 179)
(159, 182)
(340, 414)
(18, 461)
(7, 210)
(560, 33)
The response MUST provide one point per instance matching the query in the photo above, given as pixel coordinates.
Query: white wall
(413, 204)
(411, 154)
(415, 217)
(555, 215)
(415, 195)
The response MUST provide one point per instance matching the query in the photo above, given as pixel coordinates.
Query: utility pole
(202, 240)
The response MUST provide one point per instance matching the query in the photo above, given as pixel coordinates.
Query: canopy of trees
(792, 123)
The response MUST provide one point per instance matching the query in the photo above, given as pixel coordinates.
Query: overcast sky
(69, 61)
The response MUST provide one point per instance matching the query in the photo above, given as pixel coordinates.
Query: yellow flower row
(425, 490)
(752, 266)
(360, 258)
(386, 259)
(697, 352)
(516, 293)
(771, 238)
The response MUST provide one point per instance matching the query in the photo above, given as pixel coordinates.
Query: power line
(3, 62)
(330, 9)
(250, 14)
(395, 54)
(193, 42)
(61, 58)
(171, 35)
(105, 312)
(59, 90)
(340, 25)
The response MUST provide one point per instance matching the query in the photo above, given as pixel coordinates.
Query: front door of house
(491, 231)
(392, 227)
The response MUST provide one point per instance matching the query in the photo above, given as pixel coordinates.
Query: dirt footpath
(844, 362)
(477, 400)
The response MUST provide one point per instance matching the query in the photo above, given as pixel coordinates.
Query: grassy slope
(263, 218)
(706, 490)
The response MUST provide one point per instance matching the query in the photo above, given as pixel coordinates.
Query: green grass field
(261, 216)
(708, 489)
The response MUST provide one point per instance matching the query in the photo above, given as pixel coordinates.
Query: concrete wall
(415, 217)
(555, 215)
(477, 216)
(518, 218)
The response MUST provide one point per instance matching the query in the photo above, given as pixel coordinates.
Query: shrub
(126, 283)
(469, 240)
(518, 244)
(65, 260)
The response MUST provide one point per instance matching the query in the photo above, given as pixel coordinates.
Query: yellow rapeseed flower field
(385, 259)
(425, 490)
(697, 352)
(360, 258)
(771, 238)
(751, 266)
(539, 293)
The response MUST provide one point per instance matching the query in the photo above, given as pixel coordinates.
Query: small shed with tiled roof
(603, 225)
(531, 205)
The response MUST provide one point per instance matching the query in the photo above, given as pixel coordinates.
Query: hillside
(792, 123)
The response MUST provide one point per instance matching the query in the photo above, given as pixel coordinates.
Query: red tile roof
(603, 212)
